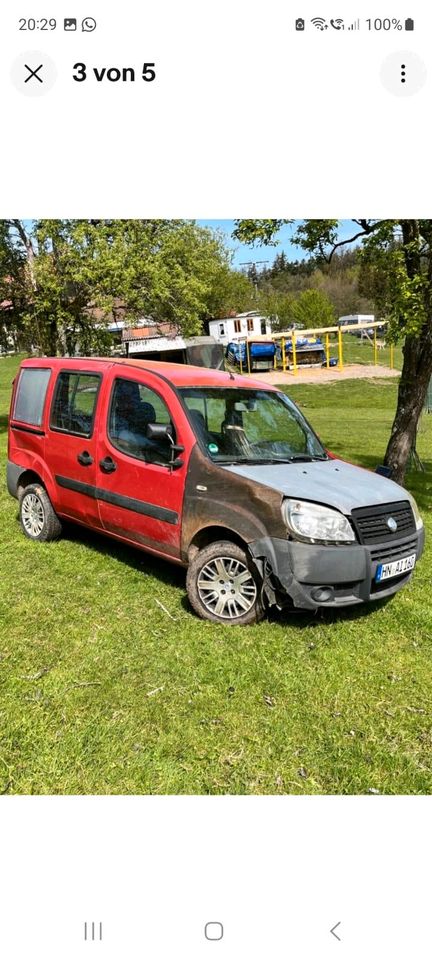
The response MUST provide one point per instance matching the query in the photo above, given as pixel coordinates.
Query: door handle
(108, 465)
(85, 459)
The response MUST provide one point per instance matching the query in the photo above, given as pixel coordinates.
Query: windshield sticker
(213, 448)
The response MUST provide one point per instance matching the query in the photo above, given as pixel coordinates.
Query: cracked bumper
(347, 573)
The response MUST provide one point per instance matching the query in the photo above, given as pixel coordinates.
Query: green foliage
(277, 306)
(313, 309)
(339, 280)
(74, 275)
(258, 231)
(395, 262)
(401, 295)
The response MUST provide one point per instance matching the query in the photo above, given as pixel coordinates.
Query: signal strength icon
(355, 25)
(319, 23)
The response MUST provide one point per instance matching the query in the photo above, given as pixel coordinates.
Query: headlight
(416, 512)
(315, 524)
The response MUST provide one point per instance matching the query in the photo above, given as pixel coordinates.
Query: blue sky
(243, 253)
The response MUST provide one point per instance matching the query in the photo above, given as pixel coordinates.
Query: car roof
(179, 374)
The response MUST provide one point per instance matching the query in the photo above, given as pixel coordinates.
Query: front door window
(133, 407)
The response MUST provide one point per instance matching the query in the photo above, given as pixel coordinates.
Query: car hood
(331, 482)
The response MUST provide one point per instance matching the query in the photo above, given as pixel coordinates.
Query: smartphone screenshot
(215, 506)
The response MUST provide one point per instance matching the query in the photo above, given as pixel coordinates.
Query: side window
(133, 407)
(30, 395)
(74, 403)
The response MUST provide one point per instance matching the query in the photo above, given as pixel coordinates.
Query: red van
(213, 471)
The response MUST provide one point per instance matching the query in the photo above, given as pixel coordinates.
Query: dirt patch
(353, 371)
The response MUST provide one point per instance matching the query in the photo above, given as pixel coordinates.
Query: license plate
(387, 570)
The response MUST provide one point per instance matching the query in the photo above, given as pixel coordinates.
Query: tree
(231, 292)
(396, 261)
(313, 309)
(278, 307)
(66, 278)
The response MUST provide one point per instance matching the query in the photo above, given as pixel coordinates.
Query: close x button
(33, 73)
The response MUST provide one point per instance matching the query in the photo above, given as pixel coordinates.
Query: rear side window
(30, 395)
(74, 403)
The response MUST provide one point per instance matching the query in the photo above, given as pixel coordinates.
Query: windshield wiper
(251, 460)
(297, 458)
(305, 458)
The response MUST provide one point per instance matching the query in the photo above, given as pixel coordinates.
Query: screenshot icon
(70, 24)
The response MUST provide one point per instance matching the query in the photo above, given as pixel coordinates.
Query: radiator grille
(394, 551)
(371, 522)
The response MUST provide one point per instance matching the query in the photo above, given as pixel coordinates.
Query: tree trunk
(29, 249)
(416, 373)
(417, 364)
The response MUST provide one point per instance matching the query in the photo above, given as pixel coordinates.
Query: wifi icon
(319, 23)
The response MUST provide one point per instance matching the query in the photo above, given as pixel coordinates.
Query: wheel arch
(26, 478)
(211, 534)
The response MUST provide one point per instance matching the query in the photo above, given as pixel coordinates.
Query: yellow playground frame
(318, 331)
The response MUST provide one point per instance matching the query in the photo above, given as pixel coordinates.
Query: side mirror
(159, 431)
(163, 431)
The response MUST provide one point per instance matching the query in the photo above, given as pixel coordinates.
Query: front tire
(37, 516)
(224, 586)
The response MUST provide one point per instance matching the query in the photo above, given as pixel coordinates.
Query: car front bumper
(346, 574)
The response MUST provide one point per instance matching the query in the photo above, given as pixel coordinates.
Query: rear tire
(37, 516)
(224, 586)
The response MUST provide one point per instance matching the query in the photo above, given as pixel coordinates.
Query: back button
(33, 73)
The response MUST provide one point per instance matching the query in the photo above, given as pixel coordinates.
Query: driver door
(140, 496)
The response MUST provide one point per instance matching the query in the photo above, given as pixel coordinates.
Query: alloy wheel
(32, 514)
(226, 588)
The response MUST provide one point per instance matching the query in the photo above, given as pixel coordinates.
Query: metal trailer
(252, 355)
(309, 352)
(197, 351)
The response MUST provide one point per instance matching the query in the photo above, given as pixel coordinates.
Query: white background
(247, 117)
(278, 873)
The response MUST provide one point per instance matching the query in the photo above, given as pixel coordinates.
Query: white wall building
(229, 329)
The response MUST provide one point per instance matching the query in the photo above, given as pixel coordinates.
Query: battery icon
(409, 24)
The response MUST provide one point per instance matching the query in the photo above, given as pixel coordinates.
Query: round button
(403, 73)
(33, 73)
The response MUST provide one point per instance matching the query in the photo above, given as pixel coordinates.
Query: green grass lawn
(103, 691)
(355, 350)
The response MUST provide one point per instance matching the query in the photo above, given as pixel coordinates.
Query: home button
(213, 930)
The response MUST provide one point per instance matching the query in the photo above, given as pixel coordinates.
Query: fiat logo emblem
(392, 525)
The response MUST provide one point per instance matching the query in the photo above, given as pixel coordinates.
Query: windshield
(250, 426)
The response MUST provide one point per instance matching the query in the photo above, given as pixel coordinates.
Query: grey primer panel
(128, 503)
(333, 482)
(13, 473)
